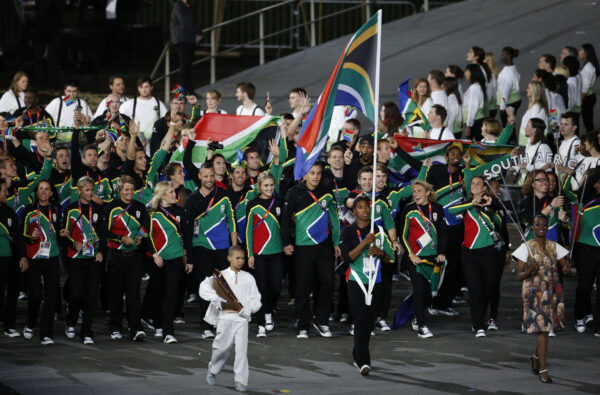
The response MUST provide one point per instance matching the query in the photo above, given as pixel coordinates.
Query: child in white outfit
(232, 326)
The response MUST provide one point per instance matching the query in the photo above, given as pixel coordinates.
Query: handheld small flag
(240, 157)
(477, 144)
(68, 100)
(178, 95)
(268, 99)
(113, 135)
(348, 135)
(410, 111)
(554, 115)
(177, 89)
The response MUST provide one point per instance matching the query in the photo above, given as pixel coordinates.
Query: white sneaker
(383, 326)
(433, 311)
(208, 334)
(292, 302)
(46, 341)
(552, 334)
(139, 336)
(351, 329)
(146, 277)
(269, 325)
(23, 296)
(169, 339)
(27, 333)
(70, 332)
(491, 325)
(12, 333)
(210, 377)
(116, 335)
(88, 340)
(424, 333)
(450, 312)
(193, 298)
(344, 317)
(239, 387)
(262, 332)
(365, 370)
(580, 326)
(302, 334)
(588, 320)
(323, 330)
(158, 332)
(480, 333)
(459, 300)
(415, 326)
(179, 320)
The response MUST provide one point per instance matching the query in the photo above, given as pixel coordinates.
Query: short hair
(573, 116)
(171, 168)
(382, 168)
(441, 111)
(248, 88)
(88, 148)
(112, 79)
(354, 122)
(217, 94)
(72, 83)
(492, 126)
(336, 147)
(298, 90)
(456, 71)
(207, 165)
(58, 148)
(143, 79)
(235, 248)
(363, 170)
(438, 76)
(592, 138)
(360, 198)
(550, 59)
(251, 150)
(125, 179)
(83, 181)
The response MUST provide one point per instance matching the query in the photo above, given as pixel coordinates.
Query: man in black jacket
(184, 34)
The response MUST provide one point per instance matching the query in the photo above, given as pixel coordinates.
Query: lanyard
(173, 218)
(266, 214)
(63, 186)
(211, 202)
(337, 194)
(87, 173)
(428, 224)
(239, 201)
(589, 204)
(30, 118)
(16, 199)
(450, 184)
(89, 219)
(49, 219)
(312, 195)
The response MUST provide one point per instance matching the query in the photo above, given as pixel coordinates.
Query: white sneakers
(364, 370)
(139, 336)
(424, 332)
(70, 332)
(88, 340)
(116, 335)
(46, 341)
(12, 333)
(415, 326)
(302, 334)
(323, 330)
(269, 325)
(580, 326)
(491, 325)
(208, 334)
(170, 339)
(262, 332)
(480, 333)
(383, 326)
(158, 332)
(27, 333)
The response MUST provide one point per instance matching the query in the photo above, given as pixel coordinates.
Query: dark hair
(457, 71)
(207, 165)
(143, 79)
(250, 150)
(354, 122)
(89, 147)
(56, 149)
(287, 116)
(511, 52)
(112, 79)
(550, 59)
(53, 198)
(392, 114)
(441, 111)
(360, 198)
(298, 90)
(72, 83)
(571, 50)
(540, 129)
(451, 88)
(5, 114)
(235, 248)
(590, 56)
(561, 87)
(477, 77)
(547, 79)
(336, 147)
(527, 184)
(364, 169)
(540, 216)
(592, 138)
(480, 55)
(573, 116)
(572, 64)
(248, 88)
(438, 76)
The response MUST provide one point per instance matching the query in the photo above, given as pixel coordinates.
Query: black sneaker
(323, 330)
(424, 332)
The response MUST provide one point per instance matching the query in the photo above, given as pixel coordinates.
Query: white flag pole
(373, 274)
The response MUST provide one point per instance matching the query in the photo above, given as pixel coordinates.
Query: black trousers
(387, 272)
(342, 304)
(587, 111)
(124, 276)
(588, 271)
(185, 52)
(164, 293)
(364, 320)
(421, 293)
(9, 286)
(453, 278)
(268, 272)
(480, 268)
(290, 271)
(314, 265)
(476, 129)
(84, 278)
(206, 261)
(46, 270)
(495, 296)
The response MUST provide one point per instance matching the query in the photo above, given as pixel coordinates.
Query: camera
(215, 145)
(497, 240)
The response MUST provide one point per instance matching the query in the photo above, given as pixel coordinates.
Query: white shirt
(146, 112)
(472, 103)
(574, 85)
(548, 97)
(9, 102)
(426, 106)
(454, 112)
(586, 163)
(587, 75)
(441, 134)
(219, 111)
(256, 111)
(536, 111)
(538, 155)
(102, 106)
(569, 152)
(557, 104)
(508, 80)
(522, 253)
(440, 97)
(67, 112)
(491, 87)
(243, 286)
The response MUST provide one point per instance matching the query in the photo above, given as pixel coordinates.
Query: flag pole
(373, 273)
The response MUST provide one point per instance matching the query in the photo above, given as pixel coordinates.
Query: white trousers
(230, 332)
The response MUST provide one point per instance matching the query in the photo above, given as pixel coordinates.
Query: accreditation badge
(44, 252)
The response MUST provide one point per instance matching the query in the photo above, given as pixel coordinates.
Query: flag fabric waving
(233, 131)
(420, 149)
(354, 82)
(412, 114)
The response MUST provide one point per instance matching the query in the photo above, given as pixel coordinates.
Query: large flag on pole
(354, 82)
(235, 132)
(410, 111)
